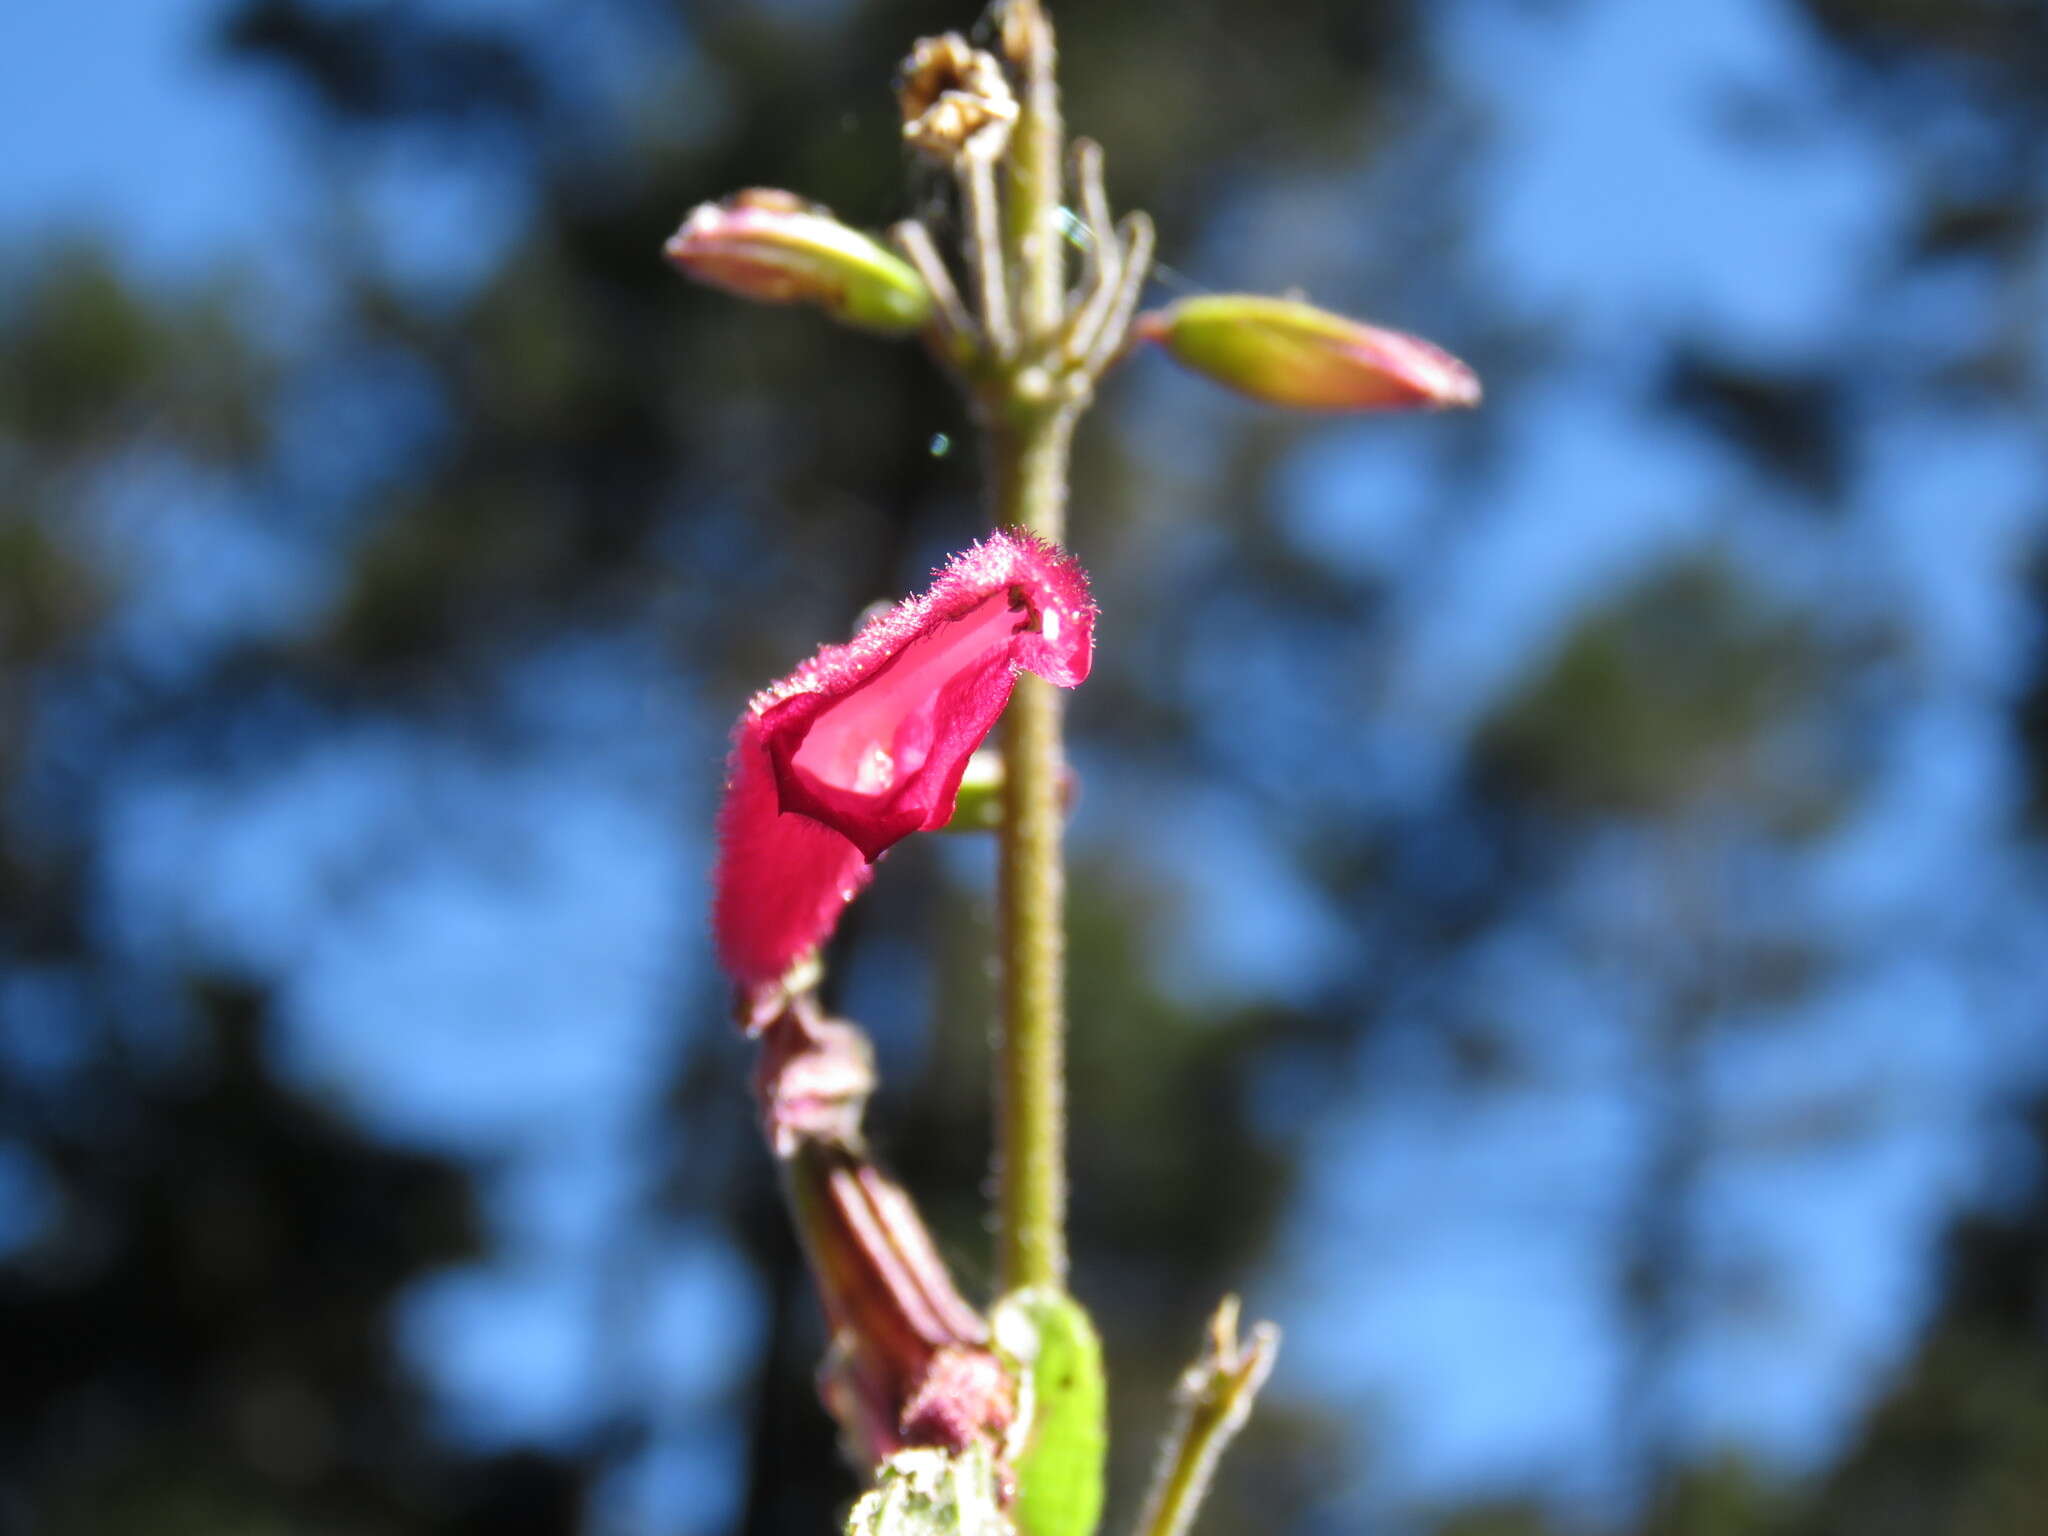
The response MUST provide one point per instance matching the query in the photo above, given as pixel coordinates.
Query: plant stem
(1031, 1173)
(1028, 431)
(1028, 464)
(1215, 1396)
(1031, 234)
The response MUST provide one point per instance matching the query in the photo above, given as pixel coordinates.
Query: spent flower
(911, 1362)
(957, 103)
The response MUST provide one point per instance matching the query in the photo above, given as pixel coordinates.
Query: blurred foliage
(87, 362)
(46, 598)
(1655, 702)
(198, 1345)
(1960, 1445)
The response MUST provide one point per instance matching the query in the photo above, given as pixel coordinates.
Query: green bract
(1062, 1411)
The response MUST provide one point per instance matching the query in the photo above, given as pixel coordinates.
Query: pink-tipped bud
(774, 247)
(1288, 353)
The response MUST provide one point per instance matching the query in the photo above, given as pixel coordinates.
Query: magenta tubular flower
(866, 742)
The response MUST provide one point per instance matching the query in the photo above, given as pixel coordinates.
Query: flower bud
(773, 246)
(978, 805)
(1289, 353)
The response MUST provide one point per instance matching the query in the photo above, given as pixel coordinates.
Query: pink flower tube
(866, 742)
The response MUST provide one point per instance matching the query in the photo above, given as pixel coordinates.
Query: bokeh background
(1560, 894)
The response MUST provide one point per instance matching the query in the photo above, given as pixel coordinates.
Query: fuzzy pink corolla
(866, 742)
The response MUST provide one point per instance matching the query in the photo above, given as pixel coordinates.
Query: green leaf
(1064, 1430)
(931, 1493)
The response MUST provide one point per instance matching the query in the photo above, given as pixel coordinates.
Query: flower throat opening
(881, 760)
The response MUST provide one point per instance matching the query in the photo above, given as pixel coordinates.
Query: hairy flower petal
(866, 742)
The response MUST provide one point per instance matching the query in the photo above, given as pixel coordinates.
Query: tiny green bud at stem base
(978, 807)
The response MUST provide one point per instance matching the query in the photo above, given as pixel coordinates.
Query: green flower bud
(1289, 353)
(774, 247)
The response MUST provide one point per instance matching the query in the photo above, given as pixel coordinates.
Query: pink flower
(865, 743)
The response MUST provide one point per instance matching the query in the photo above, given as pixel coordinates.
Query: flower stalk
(1029, 430)
(976, 1424)
(1031, 1105)
(1031, 234)
(1027, 453)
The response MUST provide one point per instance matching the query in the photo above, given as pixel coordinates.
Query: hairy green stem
(1028, 431)
(1031, 233)
(1026, 465)
(1028, 479)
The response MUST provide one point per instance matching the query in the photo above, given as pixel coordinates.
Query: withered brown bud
(911, 1362)
(957, 103)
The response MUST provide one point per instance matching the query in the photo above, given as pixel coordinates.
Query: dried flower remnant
(957, 103)
(927, 1492)
(814, 1074)
(911, 1362)
(1285, 352)
(772, 246)
(867, 742)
